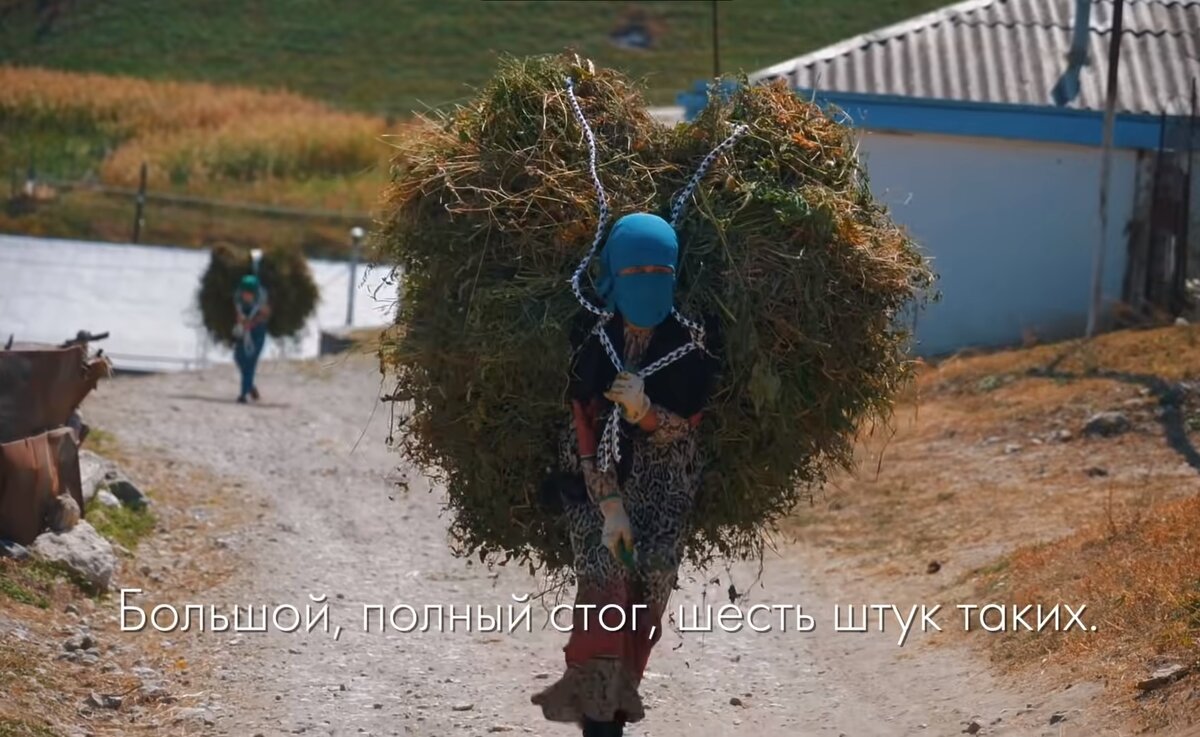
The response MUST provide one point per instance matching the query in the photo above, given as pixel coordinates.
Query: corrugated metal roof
(1015, 51)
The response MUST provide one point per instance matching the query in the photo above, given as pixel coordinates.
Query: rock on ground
(64, 514)
(92, 471)
(10, 549)
(81, 550)
(1107, 424)
(129, 494)
(194, 715)
(1164, 676)
(98, 474)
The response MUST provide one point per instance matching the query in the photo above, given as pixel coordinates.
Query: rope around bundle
(609, 450)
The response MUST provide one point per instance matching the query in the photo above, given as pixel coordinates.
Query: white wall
(1011, 226)
(145, 296)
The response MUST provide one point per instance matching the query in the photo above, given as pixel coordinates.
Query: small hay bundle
(285, 275)
(491, 210)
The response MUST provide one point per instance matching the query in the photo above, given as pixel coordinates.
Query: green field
(395, 57)
(386, 59)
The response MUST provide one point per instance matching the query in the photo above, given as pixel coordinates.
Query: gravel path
(312, 457)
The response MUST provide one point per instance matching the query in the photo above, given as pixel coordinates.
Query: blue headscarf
(641, 239)
(249, 283)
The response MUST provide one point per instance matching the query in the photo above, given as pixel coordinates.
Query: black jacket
(682, 387)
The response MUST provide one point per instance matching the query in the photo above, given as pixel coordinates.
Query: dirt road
(312, 463)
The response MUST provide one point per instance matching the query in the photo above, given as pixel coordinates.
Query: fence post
(31, 178)
(356, 236)
(140, 205)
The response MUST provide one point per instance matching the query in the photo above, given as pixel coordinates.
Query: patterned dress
(658, 480)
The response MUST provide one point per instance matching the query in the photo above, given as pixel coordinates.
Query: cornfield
(192, 135)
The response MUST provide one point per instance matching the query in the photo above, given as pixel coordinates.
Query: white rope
(609, 449)
(602, 198)
(686, 193)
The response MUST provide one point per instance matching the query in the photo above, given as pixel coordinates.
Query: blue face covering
(644, 300)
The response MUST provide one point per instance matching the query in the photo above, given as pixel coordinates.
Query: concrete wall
(1011, 226)
(145, 296)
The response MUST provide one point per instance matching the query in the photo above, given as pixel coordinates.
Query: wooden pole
(716, 42)
(1185, 211)
(140, 205)
(356, 236)
(1148, 291)
(31, 176)
(1110, 104)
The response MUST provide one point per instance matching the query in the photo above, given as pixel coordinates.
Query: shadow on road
(225, 400)
(1171, 398)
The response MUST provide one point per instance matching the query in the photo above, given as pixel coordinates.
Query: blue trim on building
(983, 119)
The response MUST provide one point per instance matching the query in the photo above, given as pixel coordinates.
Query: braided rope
(601, 198)
(609, 449)
(602, 334)
(686, 193)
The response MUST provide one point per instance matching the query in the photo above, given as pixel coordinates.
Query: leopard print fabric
(658, 494)
(664, 475)
(598, 689)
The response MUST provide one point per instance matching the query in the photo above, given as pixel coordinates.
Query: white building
(966, 140)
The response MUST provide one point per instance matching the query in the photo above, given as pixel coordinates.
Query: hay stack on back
(285, 275)
(491, 209)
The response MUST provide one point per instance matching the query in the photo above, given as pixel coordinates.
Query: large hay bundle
(284, 273)
(491, 210)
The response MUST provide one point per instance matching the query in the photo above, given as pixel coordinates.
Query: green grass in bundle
(283, 272)
(492, 208)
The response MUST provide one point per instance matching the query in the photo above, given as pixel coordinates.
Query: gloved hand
(603, 489)
(617, 530)
(629, 392)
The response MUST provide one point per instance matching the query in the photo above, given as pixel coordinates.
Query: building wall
(1011, 227)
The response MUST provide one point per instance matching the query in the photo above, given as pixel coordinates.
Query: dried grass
(284, 273)
(491, 208)
(193, 134)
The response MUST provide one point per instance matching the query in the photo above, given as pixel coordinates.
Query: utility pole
(716, 41)
(1110, 104)
(139, 205)
(356, 236)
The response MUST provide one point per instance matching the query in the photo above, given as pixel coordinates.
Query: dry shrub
(1138, 572)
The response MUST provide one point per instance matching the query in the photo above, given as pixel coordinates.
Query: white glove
(629, 391)
(603, 489)
(617, 531)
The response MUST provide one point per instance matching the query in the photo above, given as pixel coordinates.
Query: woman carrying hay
(627, 531)
(253, 312)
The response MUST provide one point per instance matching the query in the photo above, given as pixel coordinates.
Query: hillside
(1061, 474)
(392, 58)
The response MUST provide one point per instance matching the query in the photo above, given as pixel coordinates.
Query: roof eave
(1043, 123)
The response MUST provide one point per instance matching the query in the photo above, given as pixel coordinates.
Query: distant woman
(628, 530)
(253, 312)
